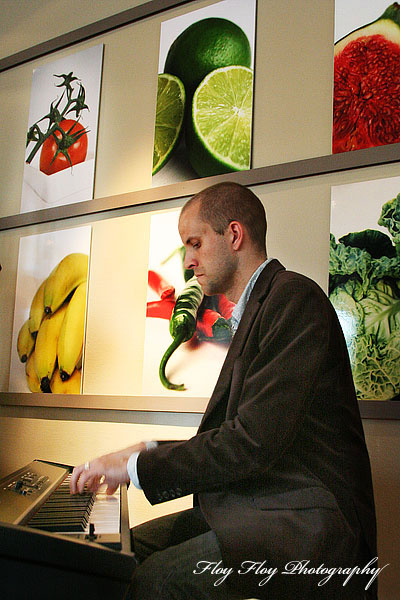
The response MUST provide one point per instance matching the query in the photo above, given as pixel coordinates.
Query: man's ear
(236, 232)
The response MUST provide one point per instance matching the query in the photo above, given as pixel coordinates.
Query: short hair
(222, 203)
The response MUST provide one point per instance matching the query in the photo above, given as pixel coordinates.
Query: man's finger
(74, 479)
(111, 489)
(94, 482)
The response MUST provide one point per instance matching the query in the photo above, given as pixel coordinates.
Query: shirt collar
(238, 311)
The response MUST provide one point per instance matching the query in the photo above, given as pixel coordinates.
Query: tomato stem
(55, 116)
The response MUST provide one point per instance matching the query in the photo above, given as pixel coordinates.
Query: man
(279, 468)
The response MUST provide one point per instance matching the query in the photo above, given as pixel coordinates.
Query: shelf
(173, 404)
(369, 409)
(310, 167)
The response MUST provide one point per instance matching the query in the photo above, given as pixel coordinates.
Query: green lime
(219, 140)
(204, 46)
(169, 117)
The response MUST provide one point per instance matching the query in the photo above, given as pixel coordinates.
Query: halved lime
(220, 140)
(169, 118)
(206, 45)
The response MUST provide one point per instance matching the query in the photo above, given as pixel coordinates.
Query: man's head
(225, 202)
(223, 229)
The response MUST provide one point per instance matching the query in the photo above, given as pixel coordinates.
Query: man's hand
(110, 469)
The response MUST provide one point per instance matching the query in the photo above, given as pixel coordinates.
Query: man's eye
(196, 245)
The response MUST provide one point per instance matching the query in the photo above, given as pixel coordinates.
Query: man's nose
(189, 262)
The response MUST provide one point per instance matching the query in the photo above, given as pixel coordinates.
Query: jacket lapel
(258, 294)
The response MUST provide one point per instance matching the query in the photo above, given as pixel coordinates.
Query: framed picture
(179, 371)
(366, 74)
(62, 131)
(364, 282)
(47, 353)
(205, 93)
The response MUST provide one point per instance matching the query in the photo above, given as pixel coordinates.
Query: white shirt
(132, 464)
(237, 314)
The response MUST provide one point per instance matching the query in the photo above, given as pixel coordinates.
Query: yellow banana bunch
(30, 372)
(51, 340)
(25, 342)
(71, 386)
(69, 273)
(36, 312)
(70, 341)
(46, 346)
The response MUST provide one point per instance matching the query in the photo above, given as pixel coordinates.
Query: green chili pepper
(182, 325)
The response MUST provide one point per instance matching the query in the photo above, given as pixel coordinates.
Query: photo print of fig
(366, 99)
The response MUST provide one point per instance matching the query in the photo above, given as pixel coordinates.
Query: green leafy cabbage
(364, 288)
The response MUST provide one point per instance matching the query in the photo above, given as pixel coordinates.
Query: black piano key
(63, 512)
(61, 528)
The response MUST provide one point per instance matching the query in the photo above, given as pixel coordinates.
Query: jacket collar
(263, 283)
(259, 292)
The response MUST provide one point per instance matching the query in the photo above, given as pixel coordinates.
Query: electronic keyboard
(46, 535)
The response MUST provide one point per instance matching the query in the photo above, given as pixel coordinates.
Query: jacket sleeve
(274, 381)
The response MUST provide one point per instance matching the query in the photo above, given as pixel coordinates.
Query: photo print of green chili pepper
(191, 315)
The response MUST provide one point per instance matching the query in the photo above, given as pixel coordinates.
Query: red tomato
(76, 149)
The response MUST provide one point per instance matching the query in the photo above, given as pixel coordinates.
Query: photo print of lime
(62, 131)
(366, 108)
(205, 93)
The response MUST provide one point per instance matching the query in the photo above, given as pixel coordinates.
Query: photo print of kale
(364, 282)
(366, 106)
(205, 93)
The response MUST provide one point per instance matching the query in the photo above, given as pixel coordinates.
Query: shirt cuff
(132, 464)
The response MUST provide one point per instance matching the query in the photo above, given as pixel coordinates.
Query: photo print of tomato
(50, 312)
(366, 99)
(62, 131)
(205, 93)
(364, 282)
(187, 334)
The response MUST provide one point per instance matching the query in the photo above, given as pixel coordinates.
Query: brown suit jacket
(279, 465)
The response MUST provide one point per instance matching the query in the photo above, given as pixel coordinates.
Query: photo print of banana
(50, 312)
